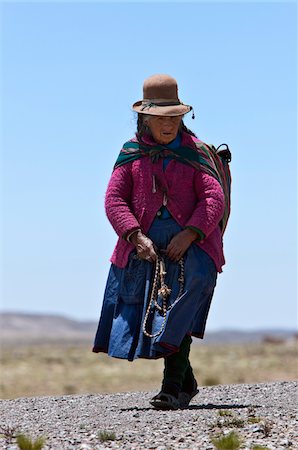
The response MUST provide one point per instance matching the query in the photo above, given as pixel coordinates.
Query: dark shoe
(184, 397)
(165, 401)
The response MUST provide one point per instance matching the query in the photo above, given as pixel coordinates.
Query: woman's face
(164, 129)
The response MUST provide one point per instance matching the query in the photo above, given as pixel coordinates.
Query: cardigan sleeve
(117, 201)
(210, 206)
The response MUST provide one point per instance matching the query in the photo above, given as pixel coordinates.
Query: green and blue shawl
(201, 156)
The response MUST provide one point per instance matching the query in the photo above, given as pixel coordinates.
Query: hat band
(148, 103)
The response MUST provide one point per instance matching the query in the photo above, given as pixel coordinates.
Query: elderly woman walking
(168, 202)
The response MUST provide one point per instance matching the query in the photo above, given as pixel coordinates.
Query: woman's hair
(142, 127)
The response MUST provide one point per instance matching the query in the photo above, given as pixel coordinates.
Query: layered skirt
(126, 312)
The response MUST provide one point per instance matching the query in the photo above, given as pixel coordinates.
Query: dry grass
(57, 369)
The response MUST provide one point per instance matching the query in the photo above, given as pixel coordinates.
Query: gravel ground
(262, 414)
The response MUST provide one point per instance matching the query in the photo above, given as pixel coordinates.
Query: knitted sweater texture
(137, 190)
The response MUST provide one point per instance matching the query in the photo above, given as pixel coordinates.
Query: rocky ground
(261, 414)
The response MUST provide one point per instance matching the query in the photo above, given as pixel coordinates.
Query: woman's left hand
(180, 243)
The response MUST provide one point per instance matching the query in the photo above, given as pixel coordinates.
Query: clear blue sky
(70, 72)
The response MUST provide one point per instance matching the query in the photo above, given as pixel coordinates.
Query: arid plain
(44, 355)
(58, 368)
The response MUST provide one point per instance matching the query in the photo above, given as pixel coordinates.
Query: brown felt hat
(160, 97)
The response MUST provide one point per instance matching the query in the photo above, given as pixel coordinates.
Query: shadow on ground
(191, 407)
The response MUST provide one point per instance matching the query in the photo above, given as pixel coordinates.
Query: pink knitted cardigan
(136, 192)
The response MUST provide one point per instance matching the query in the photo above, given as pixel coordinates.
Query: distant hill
(43, 327)
(24, 328)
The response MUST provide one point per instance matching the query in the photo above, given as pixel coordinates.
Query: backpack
(221, 158)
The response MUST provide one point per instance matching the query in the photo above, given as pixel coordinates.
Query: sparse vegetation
(255, 419)
(231, 441)
(234, 422)
(227, 419)
(225, 413)
(106, 436)
(266, 427)
(36, 370)
(8, 432)
(229, 423)
(27, 443)
(70, 389)
(259, 447)
(252, 417)
(211, 380)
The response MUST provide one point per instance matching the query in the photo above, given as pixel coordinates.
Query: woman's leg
(176, 367)
(189, 384)
(178, 373)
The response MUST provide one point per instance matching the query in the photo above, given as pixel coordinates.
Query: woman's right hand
(144, 246)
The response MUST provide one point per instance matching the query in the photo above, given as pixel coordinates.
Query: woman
(166, 202)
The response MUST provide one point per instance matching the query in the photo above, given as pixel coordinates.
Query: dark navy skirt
(127, 293)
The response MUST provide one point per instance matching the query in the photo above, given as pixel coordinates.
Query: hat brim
(155, 110)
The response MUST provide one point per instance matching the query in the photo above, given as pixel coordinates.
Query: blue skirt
(120, 330)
